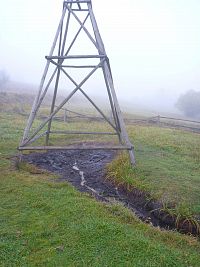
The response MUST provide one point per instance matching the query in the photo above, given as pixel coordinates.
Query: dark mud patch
(86, 171)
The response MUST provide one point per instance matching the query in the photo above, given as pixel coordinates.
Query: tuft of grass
(121, 172)
(183, 216)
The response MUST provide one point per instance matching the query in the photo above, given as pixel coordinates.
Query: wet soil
(86, 171)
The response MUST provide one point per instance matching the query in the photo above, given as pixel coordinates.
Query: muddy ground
(86, 170)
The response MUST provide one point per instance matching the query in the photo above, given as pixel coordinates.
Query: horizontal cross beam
(58, 64)
(75, 57)
(89, 147)
(76, 1)
(80, 66)
(83, 9)
(76, 132)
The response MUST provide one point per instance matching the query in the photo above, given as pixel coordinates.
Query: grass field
(45, 223)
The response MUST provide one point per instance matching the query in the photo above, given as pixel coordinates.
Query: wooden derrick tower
(60, 57)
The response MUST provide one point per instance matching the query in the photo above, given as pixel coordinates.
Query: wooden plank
(65, 34)
(99, 41)
(112, 107)
(73, 66)
(60, 39)
(88, 147)
(77, 132)
(83, 9)
(79, 67)
(75, 57)
(80, 2)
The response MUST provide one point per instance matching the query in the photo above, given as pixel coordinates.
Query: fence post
(158, 120)
(65, 115)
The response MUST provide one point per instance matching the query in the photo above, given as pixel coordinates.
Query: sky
(153, 46)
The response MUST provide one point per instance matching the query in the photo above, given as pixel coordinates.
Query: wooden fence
(160, 121)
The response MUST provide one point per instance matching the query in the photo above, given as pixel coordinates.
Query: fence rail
(163, 121)
(160, 121)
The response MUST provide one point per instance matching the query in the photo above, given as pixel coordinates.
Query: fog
(153, 46)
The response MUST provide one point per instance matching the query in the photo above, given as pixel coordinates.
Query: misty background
(153, 46)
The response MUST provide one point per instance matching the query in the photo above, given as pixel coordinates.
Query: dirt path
(85, 170)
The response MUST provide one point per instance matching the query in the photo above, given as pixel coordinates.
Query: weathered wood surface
(70, 147)
(75, 57)
(75, 2)
(78, 132)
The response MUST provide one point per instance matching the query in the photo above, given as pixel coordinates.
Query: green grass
(46, 223)
(167, 167)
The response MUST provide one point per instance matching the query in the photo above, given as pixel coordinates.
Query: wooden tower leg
(123, 136)
(123, 132)
(113, 109)
(36, 101)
